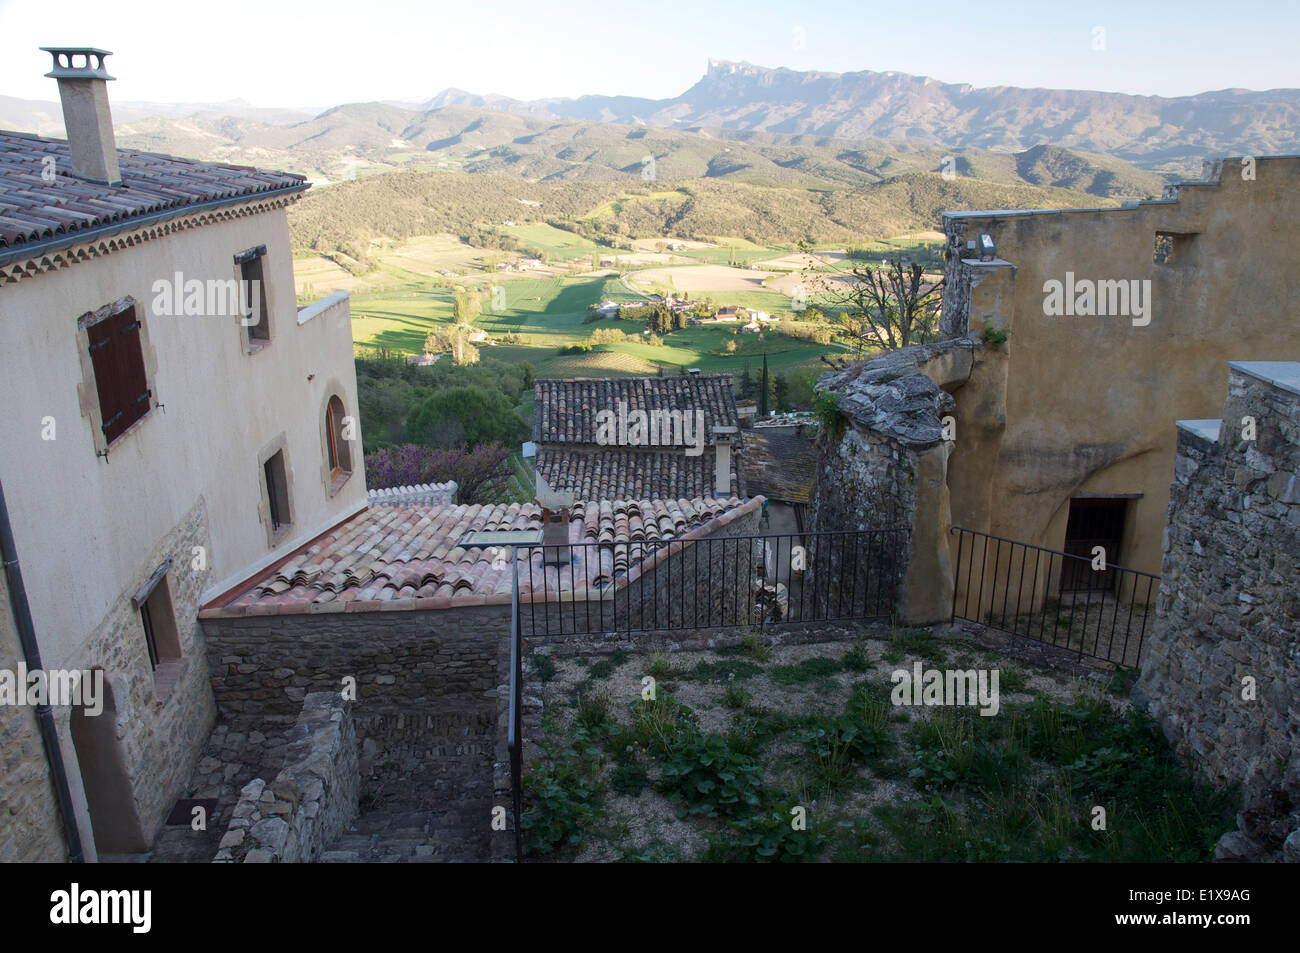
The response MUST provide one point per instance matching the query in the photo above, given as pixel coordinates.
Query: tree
(747, 383)
(453, 339)
(781, 391)
(482, 475)
(459, 416)
(890, 306)
(762, 390)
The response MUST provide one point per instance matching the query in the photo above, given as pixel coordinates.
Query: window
(337, 447)
(160, 625)
(277, 493)
(1173, 248)
(161, 636)
(117, 356)
(253, 289)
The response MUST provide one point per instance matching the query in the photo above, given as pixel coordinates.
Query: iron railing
(711, 582)
(1037, 593)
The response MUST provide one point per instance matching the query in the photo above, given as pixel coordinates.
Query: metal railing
(1039, 594)
(711, 582)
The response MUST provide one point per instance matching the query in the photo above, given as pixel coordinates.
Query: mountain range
(738, 121)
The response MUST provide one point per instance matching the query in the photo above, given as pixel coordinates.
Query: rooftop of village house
(607, 473)
(42, 213)
(565, 411)
(413, 557)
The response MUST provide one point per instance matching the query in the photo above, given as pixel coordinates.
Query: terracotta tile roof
(780, 463)
(410, 557)
(609, 473)
(417, 494)
(564, 411)
(60, 212)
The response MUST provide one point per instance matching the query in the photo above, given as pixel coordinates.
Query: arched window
(336, 444)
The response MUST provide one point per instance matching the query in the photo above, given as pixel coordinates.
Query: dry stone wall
(1222, 669)
(312, 799)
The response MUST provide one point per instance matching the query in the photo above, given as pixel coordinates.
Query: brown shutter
(115, 353)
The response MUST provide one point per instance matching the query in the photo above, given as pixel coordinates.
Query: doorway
(113, 815)
(1093, 522)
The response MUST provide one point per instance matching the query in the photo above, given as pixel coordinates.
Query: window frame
(256, 336)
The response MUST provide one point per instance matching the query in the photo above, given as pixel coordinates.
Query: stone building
(1070, 341)
(174, 423)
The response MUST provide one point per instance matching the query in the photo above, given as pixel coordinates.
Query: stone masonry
(1222, 672)
(312, 799)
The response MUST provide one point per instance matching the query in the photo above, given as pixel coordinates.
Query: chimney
(722, 460)
(556, 550)
(83, 88)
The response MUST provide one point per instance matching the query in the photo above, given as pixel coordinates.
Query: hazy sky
(327, 52)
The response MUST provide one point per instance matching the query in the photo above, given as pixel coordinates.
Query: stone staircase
(426, 793)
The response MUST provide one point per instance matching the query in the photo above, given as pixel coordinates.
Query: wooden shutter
(118, 360)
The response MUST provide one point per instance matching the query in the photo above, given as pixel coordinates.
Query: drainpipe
(22, 614)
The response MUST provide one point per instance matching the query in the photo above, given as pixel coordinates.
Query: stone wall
(161, 727)
(1222, 668)
(30, 827)
(888, 471)
(312, 799)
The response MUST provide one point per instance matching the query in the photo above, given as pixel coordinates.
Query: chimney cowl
(64, 67)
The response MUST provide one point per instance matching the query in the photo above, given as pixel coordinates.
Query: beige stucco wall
(84, 526)
(1072, 406)
(89, 531)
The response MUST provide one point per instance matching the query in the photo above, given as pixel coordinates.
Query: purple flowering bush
(482, 474)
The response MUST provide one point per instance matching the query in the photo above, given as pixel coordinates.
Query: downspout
(22, 614)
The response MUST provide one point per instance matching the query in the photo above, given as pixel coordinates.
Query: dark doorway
(1092, 522)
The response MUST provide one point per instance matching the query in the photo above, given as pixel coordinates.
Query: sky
(328, 52)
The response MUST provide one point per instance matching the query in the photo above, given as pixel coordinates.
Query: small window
(277, 493)
(337, 446)
(159, 620)
(117, 355)
(253, 289)
(1173, 248)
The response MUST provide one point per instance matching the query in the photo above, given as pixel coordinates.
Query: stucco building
(1071, 342)
(174, 423)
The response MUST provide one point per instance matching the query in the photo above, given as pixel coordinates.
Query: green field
(547, 315)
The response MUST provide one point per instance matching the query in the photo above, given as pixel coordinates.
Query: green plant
(855, 660)
(661, 663)
(607, 666)
(769, 837)
(995, 337)
(735, 696)
(594, 709)
(544, 667)
(628, 777)
(753, 646)
(809, 670)
(655, 721)
(833, 420)
(703, 774)
(563, 798)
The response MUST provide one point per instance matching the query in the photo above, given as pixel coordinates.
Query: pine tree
(762, 392)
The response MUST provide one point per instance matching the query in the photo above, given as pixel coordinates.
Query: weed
(809, 670)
